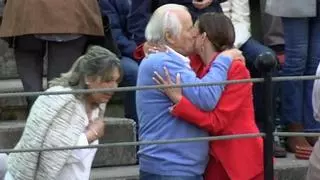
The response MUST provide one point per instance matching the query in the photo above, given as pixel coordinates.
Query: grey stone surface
(10, 133)
(291, 168)
(285, 169)
(7, 63)
(116, 130)
(12, 108)
(115, 173)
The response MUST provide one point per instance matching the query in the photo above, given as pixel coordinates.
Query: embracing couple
(194, 53)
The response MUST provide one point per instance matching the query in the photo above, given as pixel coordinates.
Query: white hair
(164, 20)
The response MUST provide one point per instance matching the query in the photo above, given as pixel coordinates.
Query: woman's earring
(202, 48)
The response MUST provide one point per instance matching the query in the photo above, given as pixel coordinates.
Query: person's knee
(130, 70)
(257, 48)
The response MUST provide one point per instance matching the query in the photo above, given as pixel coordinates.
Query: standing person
(67, 120)
(49, 29)
(272, 30)
(313, 172)
(301, 23)
(171, 26)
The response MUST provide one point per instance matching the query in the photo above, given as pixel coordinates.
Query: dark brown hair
(219, 30)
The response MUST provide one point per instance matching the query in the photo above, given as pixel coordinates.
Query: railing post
(266, 63)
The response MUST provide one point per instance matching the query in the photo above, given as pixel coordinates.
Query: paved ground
(286, 169)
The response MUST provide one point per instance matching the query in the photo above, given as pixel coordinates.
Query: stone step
(285, 169)
(117, 130)
(118, 163)
(12, 108)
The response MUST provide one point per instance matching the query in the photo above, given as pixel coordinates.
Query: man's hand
(201, 4)
(149, 48)
(175, 94)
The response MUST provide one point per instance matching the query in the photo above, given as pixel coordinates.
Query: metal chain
(137, 88)
(184, 140)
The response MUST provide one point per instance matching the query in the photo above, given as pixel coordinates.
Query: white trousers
(314, 163)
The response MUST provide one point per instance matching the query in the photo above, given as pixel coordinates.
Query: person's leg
(251, 50)
(310, 124)
(130, 71)
(296, 33)
(271, 27)
(29, 53)
(61, 55)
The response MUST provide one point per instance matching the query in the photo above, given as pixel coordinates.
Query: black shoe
(278, 151)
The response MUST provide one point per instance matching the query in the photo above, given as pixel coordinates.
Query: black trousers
(30, 52)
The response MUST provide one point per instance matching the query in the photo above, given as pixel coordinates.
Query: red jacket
(239, 159)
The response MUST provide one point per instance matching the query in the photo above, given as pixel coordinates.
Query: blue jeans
(149, 176)
(251, 50)
(130, 72)
(302, 39)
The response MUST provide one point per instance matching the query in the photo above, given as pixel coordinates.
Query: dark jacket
(117, 11)
(142, 9)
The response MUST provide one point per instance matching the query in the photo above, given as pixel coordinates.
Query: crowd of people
(92, 44)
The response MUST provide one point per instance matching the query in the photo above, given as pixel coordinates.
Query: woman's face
(199, 39)
(97, 83)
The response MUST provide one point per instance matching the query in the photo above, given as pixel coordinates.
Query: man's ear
(169, 38)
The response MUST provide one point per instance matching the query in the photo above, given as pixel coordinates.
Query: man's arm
(108, 8)
(233, 97)
(204, 97)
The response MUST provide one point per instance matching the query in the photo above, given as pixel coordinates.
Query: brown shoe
(302, 156)
(278, 151)
(312, 140)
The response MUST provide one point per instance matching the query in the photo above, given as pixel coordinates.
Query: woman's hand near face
(175, 94)
(95, 130)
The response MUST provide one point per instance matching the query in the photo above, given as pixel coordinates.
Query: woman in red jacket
(236, 159)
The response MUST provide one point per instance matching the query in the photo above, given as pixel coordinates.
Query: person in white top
(239, 13)
(67, 120)
(313, 172)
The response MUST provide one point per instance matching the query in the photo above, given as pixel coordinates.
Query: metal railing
(266, 64)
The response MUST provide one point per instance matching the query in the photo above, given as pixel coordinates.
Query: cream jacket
(239, 13)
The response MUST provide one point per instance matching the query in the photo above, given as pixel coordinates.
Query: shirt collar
(184, 58)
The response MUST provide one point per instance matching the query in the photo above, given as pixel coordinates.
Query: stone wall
(116, 130)
(8, 68)
(15, 108)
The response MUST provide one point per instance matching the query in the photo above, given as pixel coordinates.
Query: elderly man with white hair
(171, 26)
